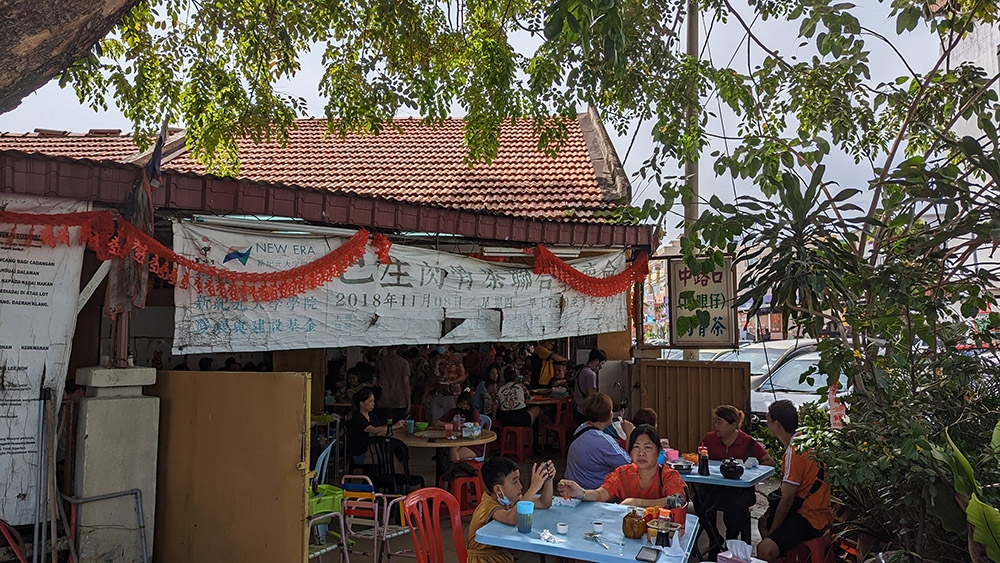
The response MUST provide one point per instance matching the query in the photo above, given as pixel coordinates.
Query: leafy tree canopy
(885, 265)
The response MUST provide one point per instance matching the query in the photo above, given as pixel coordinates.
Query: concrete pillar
(117, 439)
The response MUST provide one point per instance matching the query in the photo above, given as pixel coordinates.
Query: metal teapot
(731, 468)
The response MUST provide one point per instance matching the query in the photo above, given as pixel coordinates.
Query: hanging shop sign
(39, 289)
(702, 311)
(387, 295)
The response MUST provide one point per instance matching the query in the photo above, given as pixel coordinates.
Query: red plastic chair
(493, 448)
(559, 426)
(816, 550)
(467, 490)
(423, 516)
(521, 438)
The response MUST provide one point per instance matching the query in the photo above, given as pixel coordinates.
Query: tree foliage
(889, 268)
(886, 265)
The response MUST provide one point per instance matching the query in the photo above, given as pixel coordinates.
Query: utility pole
(691, 164)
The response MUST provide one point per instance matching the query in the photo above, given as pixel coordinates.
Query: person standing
(804, 512)
(586, 383)
(394, 377)
(543, 361)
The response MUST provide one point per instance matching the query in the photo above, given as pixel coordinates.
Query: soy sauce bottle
(703, 461)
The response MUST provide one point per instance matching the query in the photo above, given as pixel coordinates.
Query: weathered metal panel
(385, 215)
(685, 393)
(110, 182)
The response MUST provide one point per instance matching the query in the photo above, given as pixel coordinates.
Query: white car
(767, 356)
(704, 355)
(783, 383)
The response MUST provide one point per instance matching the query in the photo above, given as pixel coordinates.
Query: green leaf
(986, 520)
(971, 146)
(965, 478)
(704, 318)
(554, 26)
(944, 506)
(995, 440)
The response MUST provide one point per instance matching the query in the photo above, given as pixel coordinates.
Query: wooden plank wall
(685, 393)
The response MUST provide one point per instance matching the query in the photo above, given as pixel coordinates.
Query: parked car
(704, 355)
(764, 357)
(784, 383)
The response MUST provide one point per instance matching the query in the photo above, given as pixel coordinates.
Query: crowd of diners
(609, 459)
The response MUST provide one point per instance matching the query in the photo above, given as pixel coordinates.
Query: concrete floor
(421, 463)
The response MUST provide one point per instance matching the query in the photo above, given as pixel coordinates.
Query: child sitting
(503, 489)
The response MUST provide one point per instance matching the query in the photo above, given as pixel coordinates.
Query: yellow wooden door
(233, 456)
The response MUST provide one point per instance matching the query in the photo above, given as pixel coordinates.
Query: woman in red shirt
(463, 408)
(725, 442)
(640, 483)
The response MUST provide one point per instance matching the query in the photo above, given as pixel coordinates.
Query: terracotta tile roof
(411, 163)
(106, 144)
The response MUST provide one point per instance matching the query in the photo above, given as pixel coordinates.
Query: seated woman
(640, 483)
(364, 424)
(464, 409)
(513, 410)
(482, 389)
(593, 452)
(726, 441)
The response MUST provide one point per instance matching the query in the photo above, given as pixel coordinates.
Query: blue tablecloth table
(580, 520)
(750, 476)
(706, 511)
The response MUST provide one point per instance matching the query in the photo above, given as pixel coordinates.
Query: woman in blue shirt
(593, 453)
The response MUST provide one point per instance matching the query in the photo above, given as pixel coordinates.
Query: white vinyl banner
(421, 297)
(39, 289)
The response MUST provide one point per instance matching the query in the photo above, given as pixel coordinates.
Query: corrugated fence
(684, 394)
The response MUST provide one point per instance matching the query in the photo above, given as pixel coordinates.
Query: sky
(51, 107)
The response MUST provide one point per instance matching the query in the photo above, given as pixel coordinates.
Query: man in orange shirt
(804, 510)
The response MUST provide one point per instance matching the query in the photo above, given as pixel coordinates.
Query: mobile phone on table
(647, 554)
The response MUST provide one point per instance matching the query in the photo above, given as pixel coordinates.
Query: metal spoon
(597, 538)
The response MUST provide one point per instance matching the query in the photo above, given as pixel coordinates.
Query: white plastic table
(580, 520)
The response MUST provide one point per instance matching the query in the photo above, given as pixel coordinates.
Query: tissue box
(727, 557)
(470, 430)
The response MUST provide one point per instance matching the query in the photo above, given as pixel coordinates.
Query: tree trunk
(40, 38)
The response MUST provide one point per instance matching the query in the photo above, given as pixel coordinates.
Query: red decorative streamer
(548, 263)
(381, 244)
(110, 236)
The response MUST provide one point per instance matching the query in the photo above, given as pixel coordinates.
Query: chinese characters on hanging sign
(420, 297)
(702, 314)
